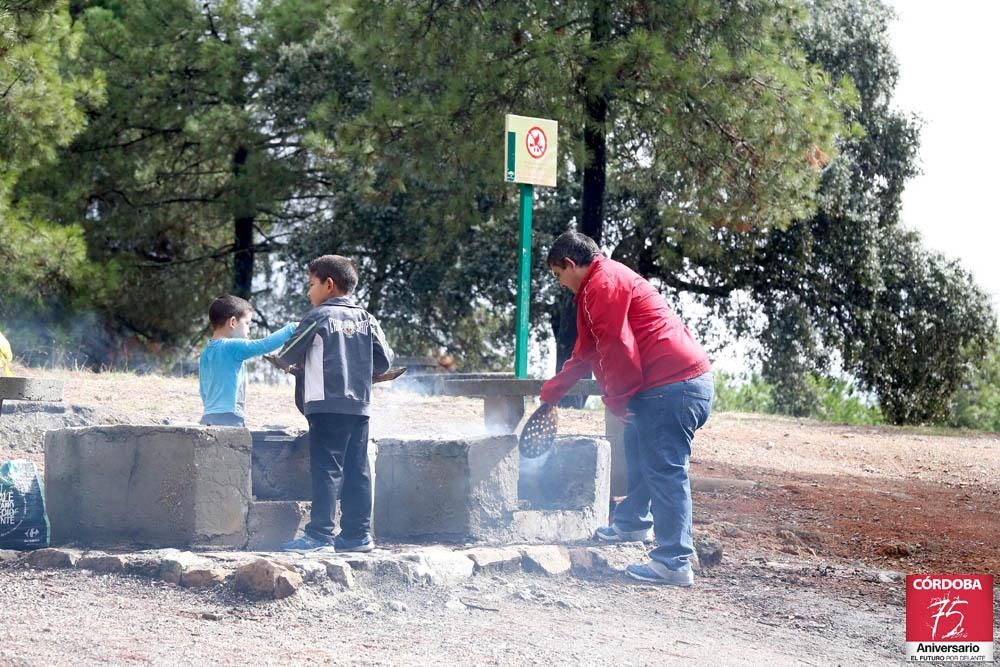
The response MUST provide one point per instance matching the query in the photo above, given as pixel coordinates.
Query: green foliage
(931, 324)
(38, 102)
(47, 280)
(714, 112)
(49, 289)
(731, 395)
(754, 160)
(977, 402)
(836, 400)
(182, 173)
(845, 288)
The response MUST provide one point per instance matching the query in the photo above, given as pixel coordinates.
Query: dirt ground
(830, 499)
(742, 615)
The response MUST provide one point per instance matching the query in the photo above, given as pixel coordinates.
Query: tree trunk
(243, 240)
(595, 130)
(594, 181)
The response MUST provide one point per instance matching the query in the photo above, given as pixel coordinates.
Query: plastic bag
(23, 522)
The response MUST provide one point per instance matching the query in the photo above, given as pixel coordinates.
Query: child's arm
(294, 353)
(382, 355)
(254, 348)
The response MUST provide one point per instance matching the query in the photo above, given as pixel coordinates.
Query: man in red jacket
(657, 379)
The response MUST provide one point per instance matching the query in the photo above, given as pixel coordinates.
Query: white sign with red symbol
(536, 143)
(530, 150)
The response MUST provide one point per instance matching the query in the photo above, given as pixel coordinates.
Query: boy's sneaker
(361, 544)
(657, 573)
(304, 543)
(614, 534)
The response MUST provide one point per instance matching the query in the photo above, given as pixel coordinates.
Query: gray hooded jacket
(339, 347)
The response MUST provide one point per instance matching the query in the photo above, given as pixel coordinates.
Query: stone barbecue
(168, 486)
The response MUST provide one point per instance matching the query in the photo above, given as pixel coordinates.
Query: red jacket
(628, 336)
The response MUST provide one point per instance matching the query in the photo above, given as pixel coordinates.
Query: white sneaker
(658, 573)
(614, 534)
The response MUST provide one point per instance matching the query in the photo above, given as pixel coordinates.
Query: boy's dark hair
(227, 306)
(339, 269)
(575, 246)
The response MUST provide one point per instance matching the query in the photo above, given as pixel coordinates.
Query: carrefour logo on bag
(12, 510)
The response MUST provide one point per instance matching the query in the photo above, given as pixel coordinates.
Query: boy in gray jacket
(336, 349)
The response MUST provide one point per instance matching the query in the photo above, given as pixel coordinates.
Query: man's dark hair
(575, 246)
(339, 269)
(227, 306)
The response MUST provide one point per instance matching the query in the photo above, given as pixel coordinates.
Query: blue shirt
(222, 381)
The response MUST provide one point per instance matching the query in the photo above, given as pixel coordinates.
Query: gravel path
(742, 615)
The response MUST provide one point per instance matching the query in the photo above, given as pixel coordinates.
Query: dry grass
(773, 443)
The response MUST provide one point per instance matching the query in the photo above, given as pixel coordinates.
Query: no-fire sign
(530, 150)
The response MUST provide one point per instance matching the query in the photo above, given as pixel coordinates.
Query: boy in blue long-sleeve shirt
(222, 380)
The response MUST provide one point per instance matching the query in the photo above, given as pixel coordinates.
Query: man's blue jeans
(657, 449)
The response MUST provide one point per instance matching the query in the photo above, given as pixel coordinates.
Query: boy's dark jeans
(338, 462)
(657, 453)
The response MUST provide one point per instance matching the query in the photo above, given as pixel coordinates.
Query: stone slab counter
(30, 389)
(445, 490)
(148, 485)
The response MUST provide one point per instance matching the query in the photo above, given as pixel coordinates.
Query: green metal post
(523, 283)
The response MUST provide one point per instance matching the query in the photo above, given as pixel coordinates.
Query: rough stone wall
(567, 492)
(450, 490)
(157, 485)
(281, 465)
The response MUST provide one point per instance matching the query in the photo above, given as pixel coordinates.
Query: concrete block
(30, 389)
(502, 414)
(153, 485)
(281, 465)
(281, 468)
(567, 489)
(448, 490)
(274, 522)
(614, 431)
(553, 526)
